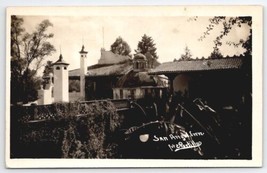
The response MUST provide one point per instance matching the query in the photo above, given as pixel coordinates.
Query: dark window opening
(57, 68)
(121, 93)
(132, 93)
(137, 65)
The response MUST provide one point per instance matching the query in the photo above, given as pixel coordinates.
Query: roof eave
(186, 71)
(83, 52)
(60, 63)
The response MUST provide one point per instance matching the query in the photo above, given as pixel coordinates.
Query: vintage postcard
(134, 86)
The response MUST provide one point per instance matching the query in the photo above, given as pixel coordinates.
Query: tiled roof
(198, 65)
(137, 79)
(108, 57)
(111, 70)
(74, 73)
(108, 64)
(114, 69)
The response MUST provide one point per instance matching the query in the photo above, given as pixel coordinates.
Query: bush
(83, 130)
(88, 136)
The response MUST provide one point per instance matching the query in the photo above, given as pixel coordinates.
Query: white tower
(61, 80)
(83, 71)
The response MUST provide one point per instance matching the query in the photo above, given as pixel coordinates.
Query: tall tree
(147, 45)
(148, 48)
(28, 50)
(228, 23)
(120, 47)
(215, 54)
(187, 55)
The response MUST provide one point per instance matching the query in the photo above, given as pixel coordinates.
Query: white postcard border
(257, 46)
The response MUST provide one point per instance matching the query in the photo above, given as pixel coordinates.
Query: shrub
(84, 130)
(88, 135)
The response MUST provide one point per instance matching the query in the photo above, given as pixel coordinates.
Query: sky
(170, 34)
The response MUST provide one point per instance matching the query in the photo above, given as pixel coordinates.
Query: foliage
(48, 68)
(100, 121)
(74, 85)
(28, 50)
(228, 24)
(120, 47)
(187, 55)
(147, 45)
(148, 48)
(215, 54)
(84, 130)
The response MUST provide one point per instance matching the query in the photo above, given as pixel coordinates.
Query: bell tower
(61, 80)
(83, 71)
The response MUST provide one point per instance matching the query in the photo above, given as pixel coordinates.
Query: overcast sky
(170, 34)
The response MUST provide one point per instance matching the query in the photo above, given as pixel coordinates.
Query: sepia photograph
(124, 85)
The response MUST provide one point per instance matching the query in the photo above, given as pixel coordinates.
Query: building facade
(113, 77)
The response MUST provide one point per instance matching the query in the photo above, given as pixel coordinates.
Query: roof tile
(198, 65)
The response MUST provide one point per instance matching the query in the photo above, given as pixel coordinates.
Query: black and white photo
(114, 86)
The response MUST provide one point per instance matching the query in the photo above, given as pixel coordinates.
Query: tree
(28, 50)
(48, 68)
(74, 85)
(120, 47)
(228, 23)
(147, 45)
(215, 54)
(187, 55)
(148, 48)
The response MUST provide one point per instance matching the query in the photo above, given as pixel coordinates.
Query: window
(65, 68)
(147, 92)
(81, 55)
(141, 65)
(121, 94)
(52, 92)
(132, 93)
(57, 68)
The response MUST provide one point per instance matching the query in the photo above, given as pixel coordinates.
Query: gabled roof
(104, 70)
(111, 70)
(198, 65)
(108, 57)
(109, 64)
(74, 73)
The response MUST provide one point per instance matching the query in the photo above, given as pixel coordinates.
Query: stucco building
(224, 81)
(113, 77)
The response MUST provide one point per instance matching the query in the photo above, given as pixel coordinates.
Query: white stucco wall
(61, 84)
(45, 97)
(83, 71)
